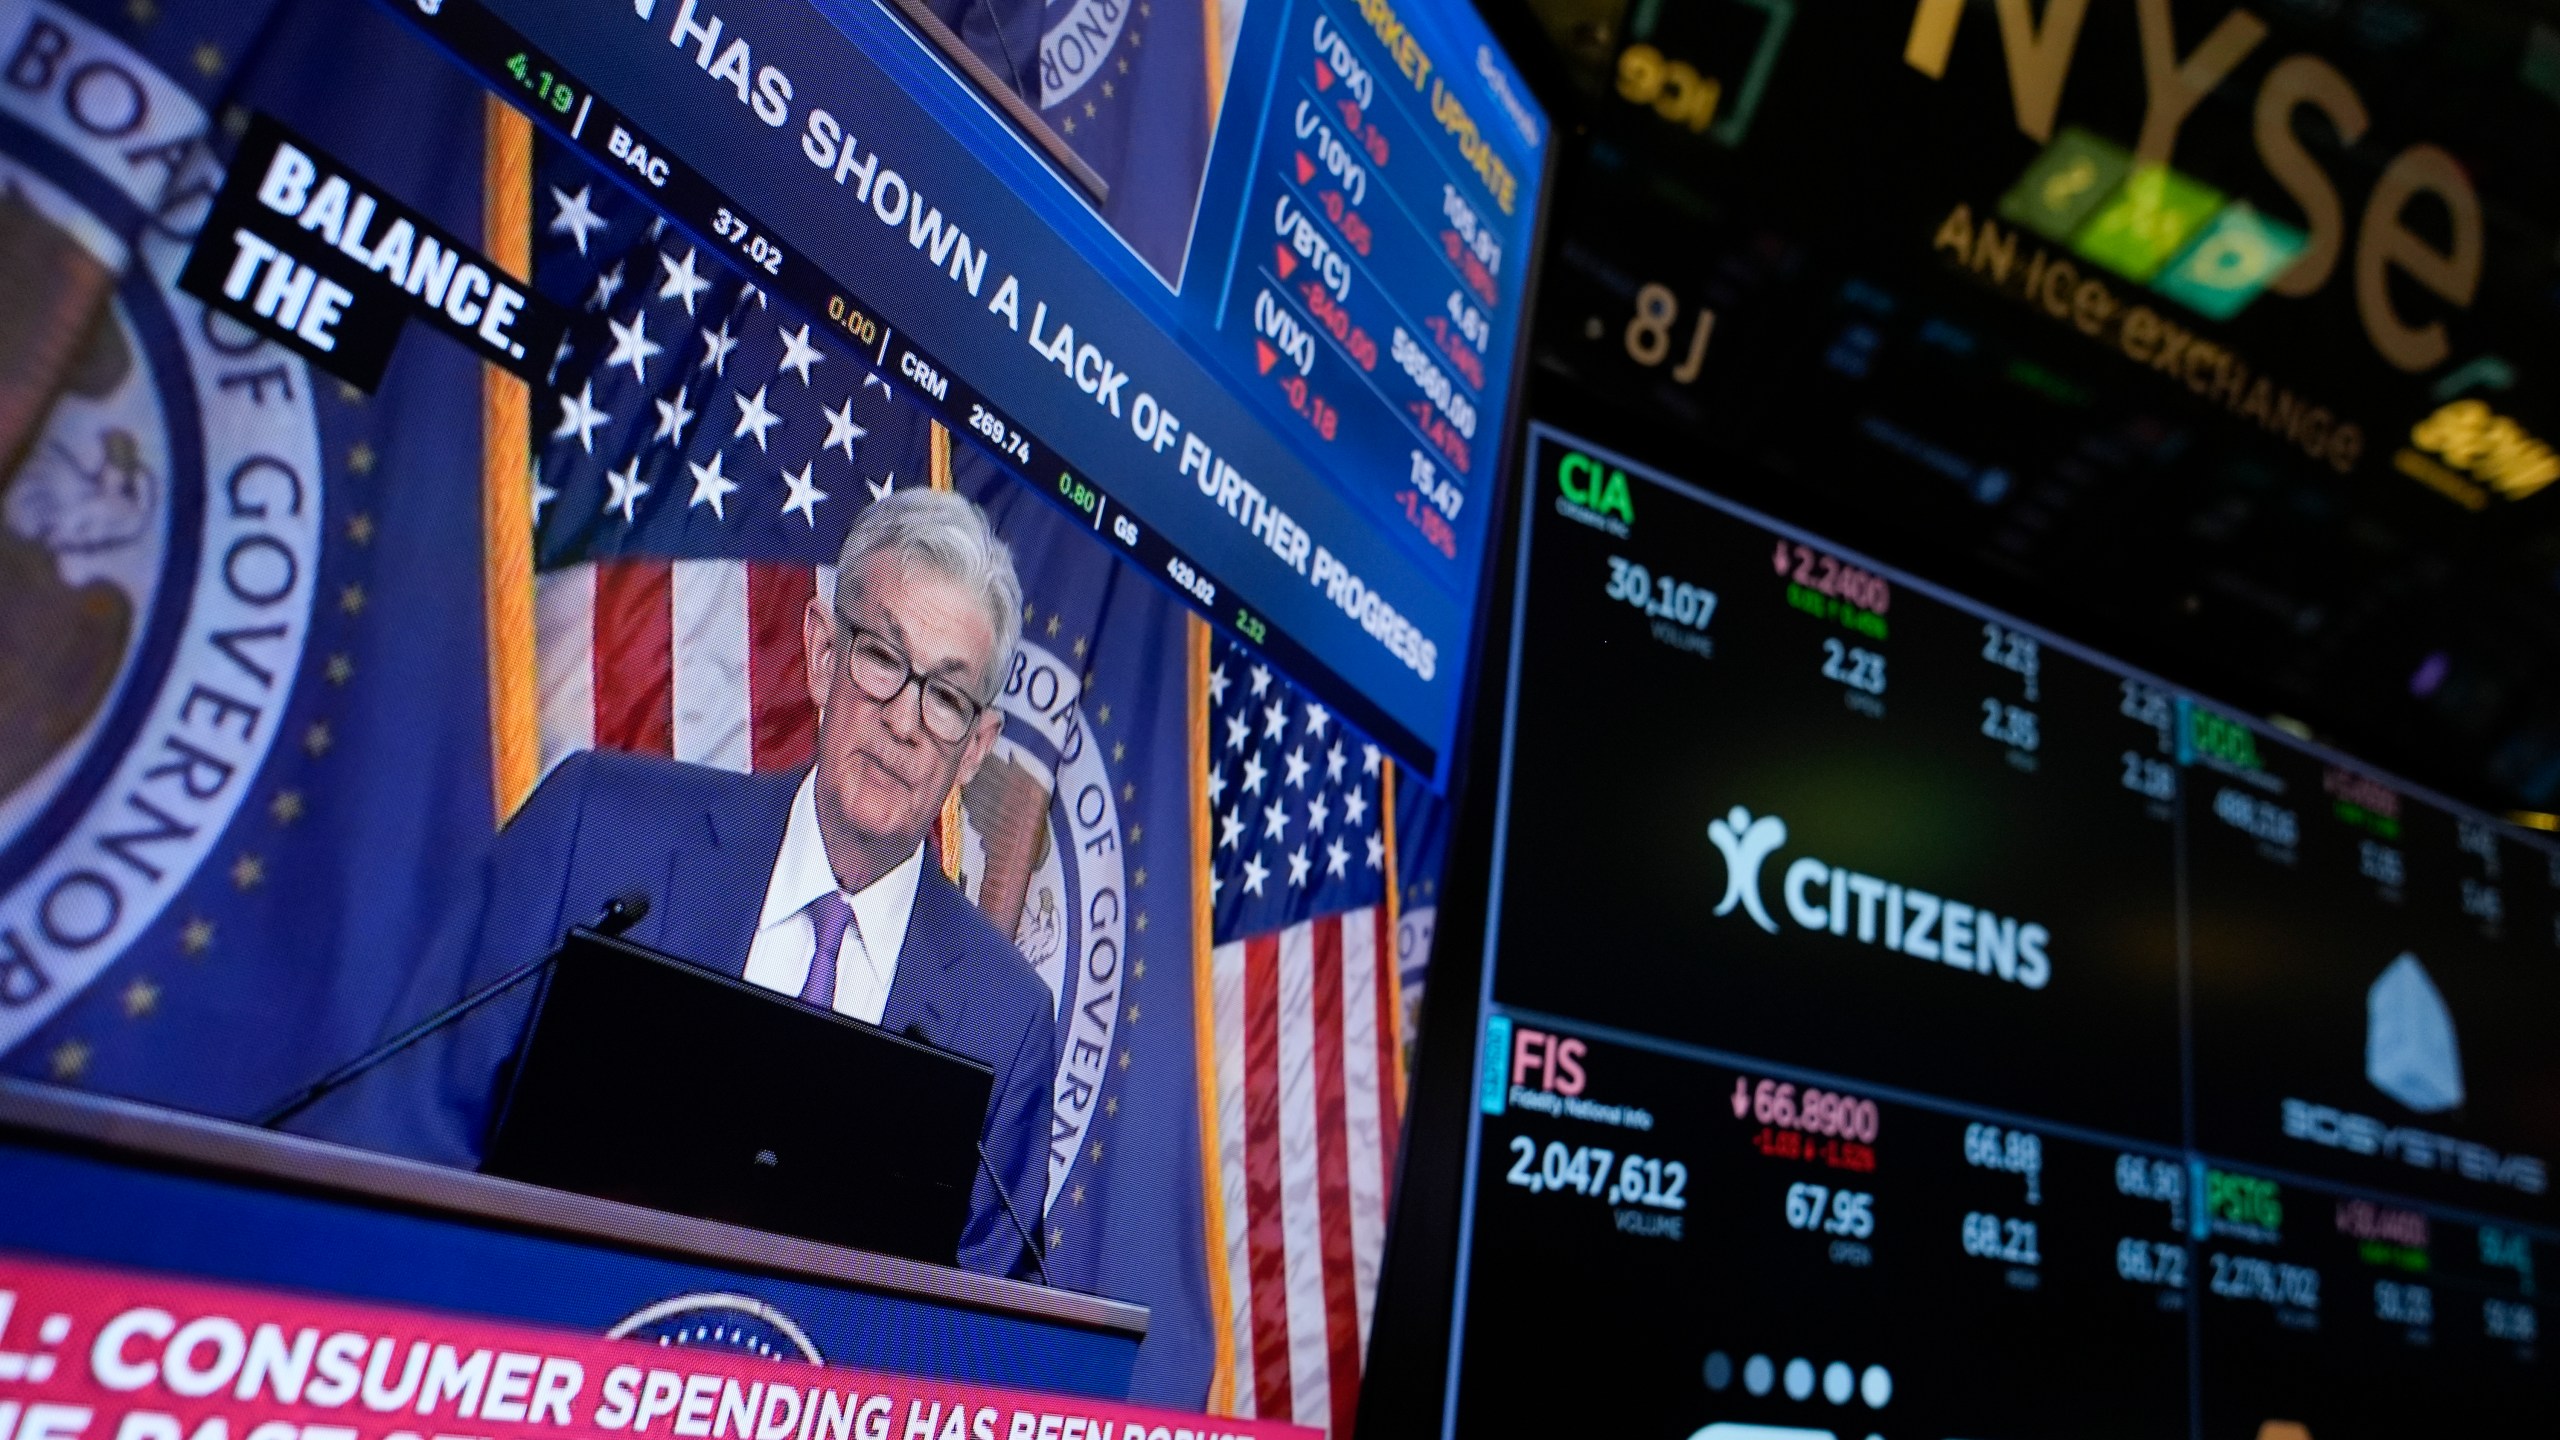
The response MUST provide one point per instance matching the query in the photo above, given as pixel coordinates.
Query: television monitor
(967, 513)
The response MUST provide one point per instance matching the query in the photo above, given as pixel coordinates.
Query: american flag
(700, 452)
(1303, 1001)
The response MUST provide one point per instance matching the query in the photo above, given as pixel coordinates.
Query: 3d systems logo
(1822, 896)
(2410, 1054)
(2409, 1049)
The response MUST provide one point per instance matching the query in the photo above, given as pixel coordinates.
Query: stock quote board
(1900, 1021)
(1240, 286)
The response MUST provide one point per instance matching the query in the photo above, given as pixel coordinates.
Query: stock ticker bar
(2177, 1074)
(1376, 321)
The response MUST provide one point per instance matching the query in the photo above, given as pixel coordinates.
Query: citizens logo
(1903, 918)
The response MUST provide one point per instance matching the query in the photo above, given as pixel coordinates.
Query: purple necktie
(830, 915)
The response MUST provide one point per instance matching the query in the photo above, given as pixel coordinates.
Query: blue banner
(249, 570)
(1096, 739)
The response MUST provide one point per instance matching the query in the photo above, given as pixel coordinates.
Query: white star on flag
(1217, 685)
(1217, 784)
(881, 488)
(753, 417)
(575, 218)
(1296, 760)
(1274, 821)
(1317, 716)
(1261, 681)
(1298, 865)
(716, 345)
(542, 494)
(797, 354)
(1230, 830)
(673, 416)
(804, 496)
(841, 431)
(1337, 856)
(1255, 872)
(1369, 758)
(1236, 732)
(1319, 810)
(1254, 771)
(1355, 808)
(626, 491)
(580, 417)
(1377, 850)
(608, 285)
(1275, 720)
(632, 345)
(711, 487)
(682, 279)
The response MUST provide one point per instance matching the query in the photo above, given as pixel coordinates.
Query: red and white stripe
(1306, 1145)
(699, 660)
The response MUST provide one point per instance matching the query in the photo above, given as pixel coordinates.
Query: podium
(86, 1180)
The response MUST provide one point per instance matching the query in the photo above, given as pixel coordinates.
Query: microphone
(619, 914)
(1039, 1266)
(622, 912)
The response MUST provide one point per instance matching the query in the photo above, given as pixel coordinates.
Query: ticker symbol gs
(1824, 897)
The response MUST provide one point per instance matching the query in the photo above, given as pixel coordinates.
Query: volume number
(1586, 1170)
(1661, 598)
(2258, 819)
(2246, 1277)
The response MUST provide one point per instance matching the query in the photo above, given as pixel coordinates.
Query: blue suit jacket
(701, 843)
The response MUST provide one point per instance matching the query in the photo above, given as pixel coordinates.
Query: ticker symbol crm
(1902, 918)
(2409, 1049)
(1746, 844)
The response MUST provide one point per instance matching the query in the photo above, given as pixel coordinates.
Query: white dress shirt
(786, 942)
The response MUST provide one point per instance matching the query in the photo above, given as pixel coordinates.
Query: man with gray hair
(813, 883)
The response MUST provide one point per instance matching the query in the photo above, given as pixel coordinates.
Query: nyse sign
(2178, 73)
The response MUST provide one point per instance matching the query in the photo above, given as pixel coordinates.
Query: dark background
(1859, 385)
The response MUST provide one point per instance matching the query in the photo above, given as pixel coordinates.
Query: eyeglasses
(882, 671)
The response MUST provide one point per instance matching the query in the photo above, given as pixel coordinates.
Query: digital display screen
(1899, 1020)
(2045, 306)
(1270, 363)
(963, 518)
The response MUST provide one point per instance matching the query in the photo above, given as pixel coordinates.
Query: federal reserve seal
(1042, 855)
(160, 515)
(718, 1320)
